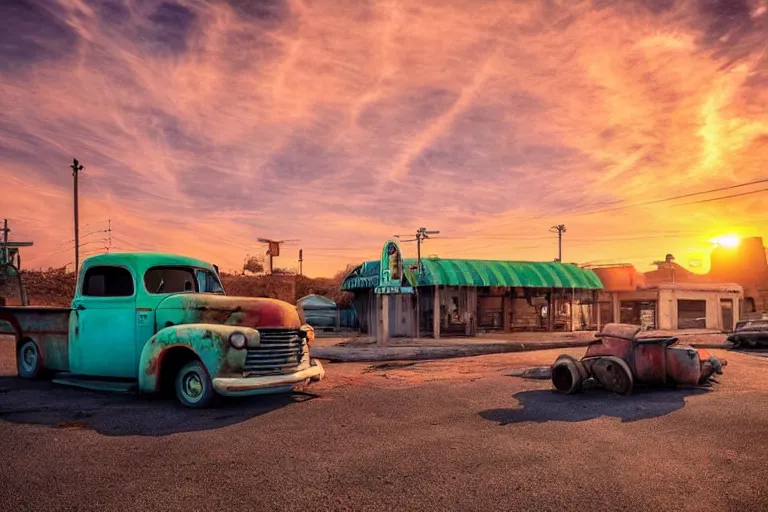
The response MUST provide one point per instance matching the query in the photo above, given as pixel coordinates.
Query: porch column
(418, 314)
(436, 315)
(597, 308)
(616, 306)
(550, 313)
(373, 315)
(573, 313)
(472, 310)
(383, 338)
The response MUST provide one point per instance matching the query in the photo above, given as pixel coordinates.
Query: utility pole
(301, 259)
(6, 253)
(109, 234)
(559, 229)
(76, 168)
(421, 234)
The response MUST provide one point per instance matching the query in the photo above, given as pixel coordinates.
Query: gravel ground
(441, 435)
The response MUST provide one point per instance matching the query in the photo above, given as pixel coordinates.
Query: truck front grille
(281, 351)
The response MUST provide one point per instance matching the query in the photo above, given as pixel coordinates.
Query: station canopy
(477, 273)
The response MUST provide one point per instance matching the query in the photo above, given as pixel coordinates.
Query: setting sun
(729, 241)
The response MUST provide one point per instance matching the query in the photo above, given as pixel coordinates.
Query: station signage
(391, 276)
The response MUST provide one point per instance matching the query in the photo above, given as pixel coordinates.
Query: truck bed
(47, 326)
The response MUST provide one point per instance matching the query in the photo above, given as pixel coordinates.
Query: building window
(691, 314)
(638, 312)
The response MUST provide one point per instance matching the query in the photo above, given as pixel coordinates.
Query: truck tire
(194, 388)
(29, 363)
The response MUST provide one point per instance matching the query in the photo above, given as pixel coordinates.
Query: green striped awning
(455, 272)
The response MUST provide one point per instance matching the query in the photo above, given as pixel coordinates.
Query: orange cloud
(203, 126)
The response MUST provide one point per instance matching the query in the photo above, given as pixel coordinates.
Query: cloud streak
(204, 125)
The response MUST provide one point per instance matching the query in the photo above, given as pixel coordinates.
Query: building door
(490, 314)
(726, 314)
(454, 314)
(691, 314)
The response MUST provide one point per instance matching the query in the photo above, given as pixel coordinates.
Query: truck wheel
(29, 364)
(193, 386)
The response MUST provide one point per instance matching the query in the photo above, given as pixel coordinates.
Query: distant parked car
(320, 312)
(750, 333)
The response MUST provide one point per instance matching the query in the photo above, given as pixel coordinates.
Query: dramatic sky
(204, 125)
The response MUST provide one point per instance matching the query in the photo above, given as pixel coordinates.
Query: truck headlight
(238, 340)
(307, 332)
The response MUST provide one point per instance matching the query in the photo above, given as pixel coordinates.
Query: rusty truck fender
(208, 342)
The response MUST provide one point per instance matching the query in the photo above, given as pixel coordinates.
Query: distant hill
(55, 287)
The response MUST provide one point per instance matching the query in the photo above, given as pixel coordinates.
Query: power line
(675, 198)
(724, 197)
(632, 205)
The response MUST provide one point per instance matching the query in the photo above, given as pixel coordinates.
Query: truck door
(104, 324)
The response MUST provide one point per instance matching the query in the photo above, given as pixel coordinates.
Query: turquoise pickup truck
(153, 323)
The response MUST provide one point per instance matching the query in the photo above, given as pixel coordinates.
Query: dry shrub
(52, 287)
(276, 286)
(55, 287)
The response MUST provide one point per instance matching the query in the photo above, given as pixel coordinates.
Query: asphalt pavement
(455, 434)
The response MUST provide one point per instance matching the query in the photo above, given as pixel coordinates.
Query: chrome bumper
(243, 386)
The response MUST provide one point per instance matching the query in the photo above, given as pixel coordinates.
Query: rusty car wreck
(750, 333)
(619, 360)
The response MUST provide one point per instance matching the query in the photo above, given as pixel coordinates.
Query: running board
(97, 385)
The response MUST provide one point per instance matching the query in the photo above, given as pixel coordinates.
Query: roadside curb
(414, 353)
(349, 355)
(711, 345)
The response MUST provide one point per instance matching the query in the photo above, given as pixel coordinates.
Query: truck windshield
(209, 282)
(162, 280)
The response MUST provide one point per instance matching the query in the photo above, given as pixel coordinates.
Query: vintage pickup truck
(152, 323)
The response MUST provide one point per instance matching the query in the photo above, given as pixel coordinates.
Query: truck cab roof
(143, 260)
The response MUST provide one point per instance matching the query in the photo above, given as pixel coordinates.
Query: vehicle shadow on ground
(543, 405)
(115, 414)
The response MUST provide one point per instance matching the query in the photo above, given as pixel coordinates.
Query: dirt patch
(7, 356)
(397, 365)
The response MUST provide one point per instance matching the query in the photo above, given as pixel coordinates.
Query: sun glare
(729, 241)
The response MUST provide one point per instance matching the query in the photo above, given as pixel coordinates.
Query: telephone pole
(421, 234)
(6, 254)
(109, 234)
(76, 168)
(559, 229)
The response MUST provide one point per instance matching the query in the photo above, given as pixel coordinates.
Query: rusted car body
(750, 333)
(618, 360)
(151, 322)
